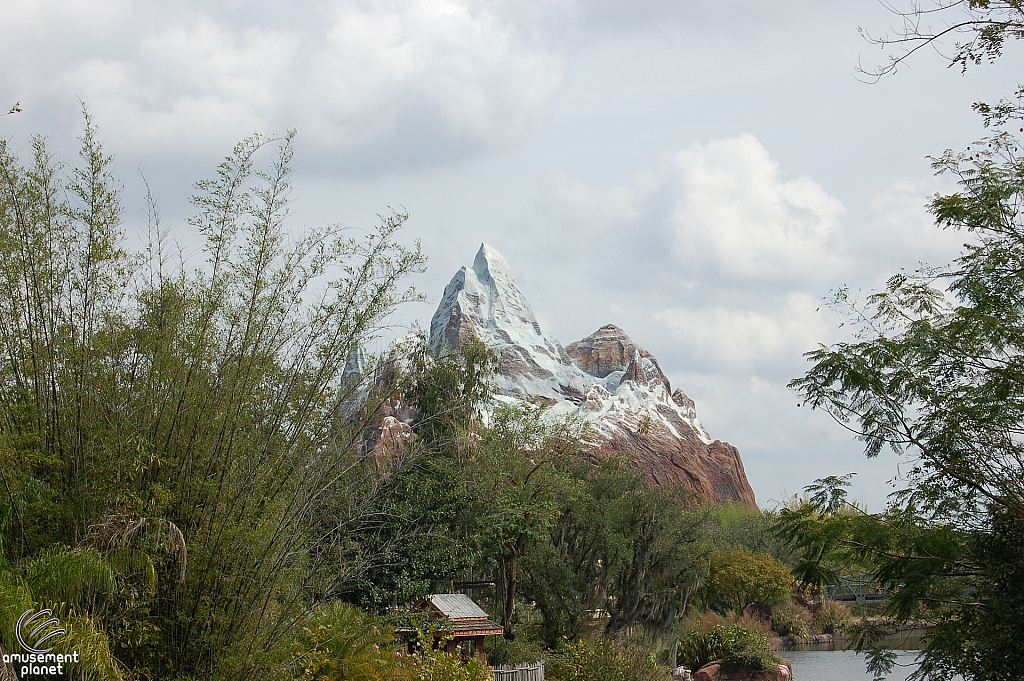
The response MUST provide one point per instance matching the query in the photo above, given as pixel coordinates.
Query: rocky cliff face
(607, 377)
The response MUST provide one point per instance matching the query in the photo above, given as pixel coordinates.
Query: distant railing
(519, 672)
(859, 588)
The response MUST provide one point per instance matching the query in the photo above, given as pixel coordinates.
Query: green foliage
(832, 617)
(789, 619)
(937, 375)
(437, 665)
(85, 636)
(618, 545)
(448, 387)
(739, 648)
(602, 660)
(416, 523)
(67, 582)
(518, 477)
(196, 407)
(523, 649)
(342, 642)
(59, 574)
(751, 528)
(740, 578)
(980, 29)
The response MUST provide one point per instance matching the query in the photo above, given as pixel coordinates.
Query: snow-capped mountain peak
(606, 377)
(484, 302)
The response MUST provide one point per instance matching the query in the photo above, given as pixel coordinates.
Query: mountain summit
(606, 377)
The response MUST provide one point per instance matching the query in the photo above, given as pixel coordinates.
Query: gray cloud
(378, 85)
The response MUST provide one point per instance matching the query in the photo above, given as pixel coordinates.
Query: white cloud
(734, 213)
(739, 341)
(718, 209)
(419, 81)
(901, 232)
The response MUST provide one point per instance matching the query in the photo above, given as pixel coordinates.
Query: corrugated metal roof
(457, 606)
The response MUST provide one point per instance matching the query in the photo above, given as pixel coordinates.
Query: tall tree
(518, 477)
(937, 376)
(615, 545)
(417, 522)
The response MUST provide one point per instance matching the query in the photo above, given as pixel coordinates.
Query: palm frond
(61, 574)
(96, 662)
(156, 534)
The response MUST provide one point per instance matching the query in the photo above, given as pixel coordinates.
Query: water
(833, 662)
(844, 665)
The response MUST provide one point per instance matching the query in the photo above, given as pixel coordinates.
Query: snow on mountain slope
(484, 302)
(606, 377)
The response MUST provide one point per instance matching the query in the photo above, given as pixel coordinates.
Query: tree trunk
(509, 564)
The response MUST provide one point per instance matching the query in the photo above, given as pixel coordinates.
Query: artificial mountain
(606, 377)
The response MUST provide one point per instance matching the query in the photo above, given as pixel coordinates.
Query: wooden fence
(520, 672)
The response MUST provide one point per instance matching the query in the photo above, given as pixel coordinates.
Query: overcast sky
(701, 174)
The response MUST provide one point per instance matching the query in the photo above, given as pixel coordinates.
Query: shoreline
(777, 643)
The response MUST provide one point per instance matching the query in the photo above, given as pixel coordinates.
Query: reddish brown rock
(712, 471)
(673, 449)
(714, 672)
(606, 350)
(387, 434)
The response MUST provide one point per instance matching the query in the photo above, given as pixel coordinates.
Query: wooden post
(479, 641)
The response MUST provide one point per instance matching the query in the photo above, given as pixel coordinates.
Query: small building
(469, 624)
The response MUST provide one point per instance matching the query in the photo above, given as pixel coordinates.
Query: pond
(833, 662)
(843, 665)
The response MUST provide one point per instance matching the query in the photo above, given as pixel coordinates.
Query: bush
(739, 578)
(706, 621)
(791, 620)
(437, 665)
(527, 647)
(832, 616)
(739, 648)
(342, 642)
(603, 660)
(522, 650)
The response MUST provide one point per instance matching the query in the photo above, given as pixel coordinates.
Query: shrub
(522, 650)
(791, 620)
(603, 660)
(437, 665)
(706, 621)
(430, 662)
(343, 642)
(832, 616)
(526, 647)
(739, 648)
(739, 578)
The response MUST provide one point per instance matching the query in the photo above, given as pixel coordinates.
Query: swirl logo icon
(35, 628)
